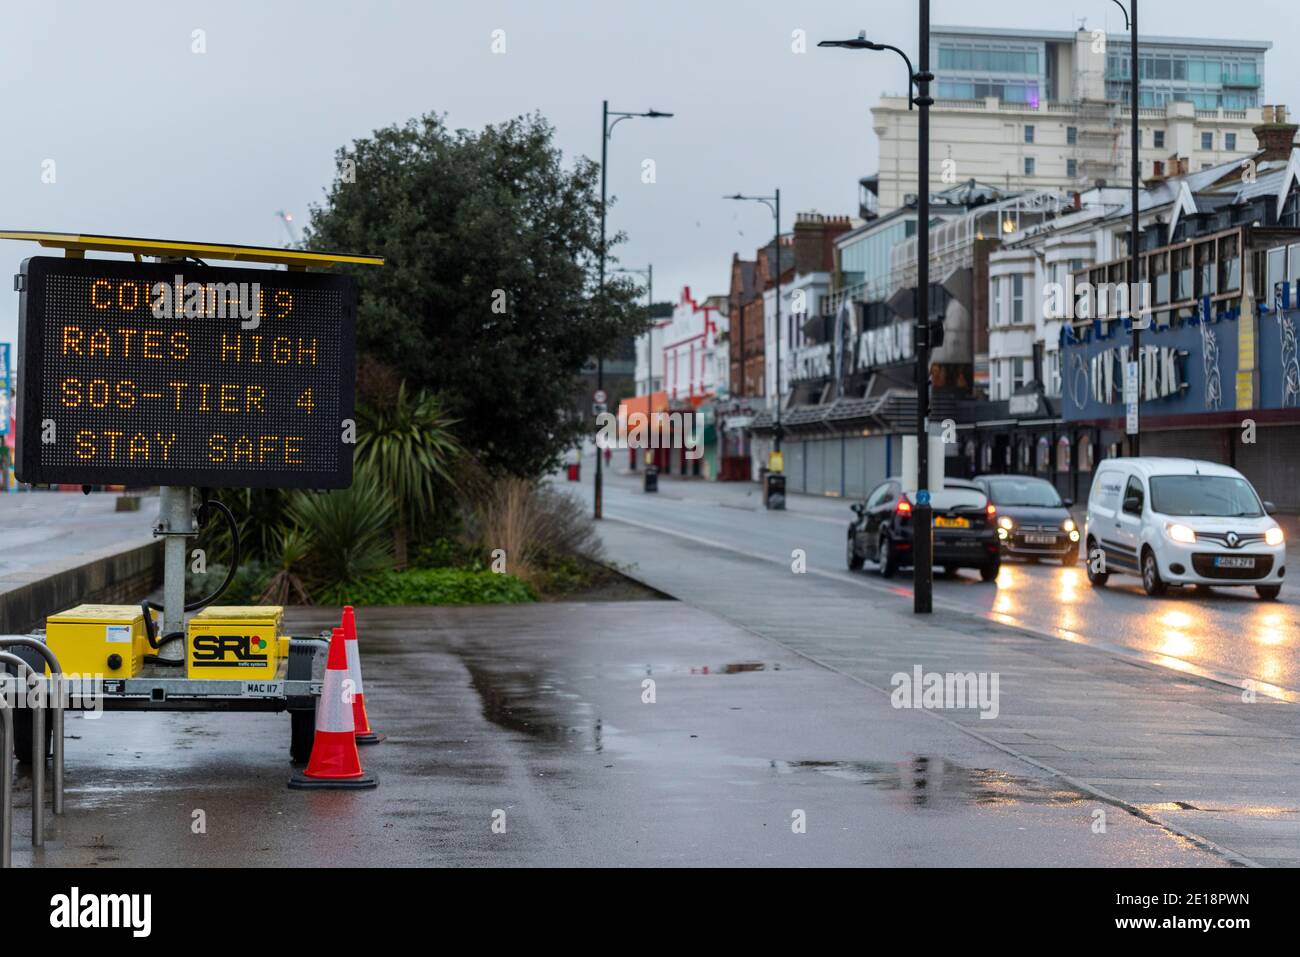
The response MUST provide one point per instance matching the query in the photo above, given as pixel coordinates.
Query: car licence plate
(1040, 539)
(941, 521)
(1232, 561)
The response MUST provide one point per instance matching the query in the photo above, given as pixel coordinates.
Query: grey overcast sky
(150, 139)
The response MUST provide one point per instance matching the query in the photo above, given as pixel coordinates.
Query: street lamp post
(922, 513)
(606, 131)
(773, 203)
(1135, 321)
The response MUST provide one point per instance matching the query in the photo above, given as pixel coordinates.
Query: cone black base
(371, 737)
(300, 782)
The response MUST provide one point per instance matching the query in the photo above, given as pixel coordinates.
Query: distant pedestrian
(609, 454)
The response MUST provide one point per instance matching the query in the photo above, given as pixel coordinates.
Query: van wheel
(1152, 583)
(1268, 592)
(1095, 578)
(888, 562)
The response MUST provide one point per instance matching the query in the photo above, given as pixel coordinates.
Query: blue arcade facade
(1220, 358)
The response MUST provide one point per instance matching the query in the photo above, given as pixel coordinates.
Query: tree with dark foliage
(489, 295)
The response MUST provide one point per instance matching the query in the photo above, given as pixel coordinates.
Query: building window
(1071, 169)
(1029, 166)
(1085, 454)
(1071, 135)
(1017, 299)
(1063, 454)
(998, 319)
(1230, 141)
(1029, 132)
(1158, 138)
(1044, 456)
(1022, 372)
(1207, 141)
(1052, 374)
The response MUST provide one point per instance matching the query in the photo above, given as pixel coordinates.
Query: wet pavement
(64, 529)
(535, 715)
(1209, 758)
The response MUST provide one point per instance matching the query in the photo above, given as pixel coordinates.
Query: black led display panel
(184, 374)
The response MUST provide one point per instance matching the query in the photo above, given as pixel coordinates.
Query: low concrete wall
(113, 576)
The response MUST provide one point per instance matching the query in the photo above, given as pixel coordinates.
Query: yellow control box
(104, 640)
(241, 642)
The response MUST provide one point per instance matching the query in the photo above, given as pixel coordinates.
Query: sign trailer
(184, 375)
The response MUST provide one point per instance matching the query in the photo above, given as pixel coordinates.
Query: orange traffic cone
(365, 733)
(334, 760)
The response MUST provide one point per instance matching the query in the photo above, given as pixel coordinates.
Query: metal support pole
(599, 511)
(176, 523)
(776, 439)
(922, 533)
(1134, 258)
(7, 787)
(56, 703)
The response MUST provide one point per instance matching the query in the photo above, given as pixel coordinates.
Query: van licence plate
(1233, 561)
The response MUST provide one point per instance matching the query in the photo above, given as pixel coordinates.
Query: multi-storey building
(1035, 110)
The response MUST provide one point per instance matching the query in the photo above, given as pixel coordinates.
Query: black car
(1033, 520)
(964, 530)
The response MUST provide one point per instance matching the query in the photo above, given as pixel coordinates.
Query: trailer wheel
(302, 733)
(23, 716)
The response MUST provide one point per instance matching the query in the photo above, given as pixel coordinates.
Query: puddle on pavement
(531, 703)
(937, 783)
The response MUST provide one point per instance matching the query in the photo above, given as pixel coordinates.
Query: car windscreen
(957, 498)
(1036, 493)
(1217, 495)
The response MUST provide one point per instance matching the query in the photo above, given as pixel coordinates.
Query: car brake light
(904, 507)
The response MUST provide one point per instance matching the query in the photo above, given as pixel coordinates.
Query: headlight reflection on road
(1067, 592)
(1271, 630)
(1175, 641)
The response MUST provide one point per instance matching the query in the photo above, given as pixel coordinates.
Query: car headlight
(1005, 522)
(1274, 536)
(1181, 534)
(1068, 525)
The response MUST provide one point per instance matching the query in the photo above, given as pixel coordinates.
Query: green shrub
(434, 586)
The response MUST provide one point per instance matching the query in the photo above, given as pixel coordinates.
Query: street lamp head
(860, 42)
(737, 196)
(656, 114)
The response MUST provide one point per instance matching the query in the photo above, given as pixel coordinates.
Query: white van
(1181, 522)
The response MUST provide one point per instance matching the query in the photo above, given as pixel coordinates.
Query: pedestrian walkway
(576, 734)
(1188, 753)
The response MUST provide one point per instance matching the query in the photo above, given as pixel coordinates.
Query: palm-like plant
(410, 449)
(348, 531)
(292, 547)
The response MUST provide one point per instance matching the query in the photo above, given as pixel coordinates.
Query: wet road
(537, 715)
(1225, 634)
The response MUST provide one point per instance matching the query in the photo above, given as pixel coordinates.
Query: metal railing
(6, 786)
(38, 757)
(56, 704)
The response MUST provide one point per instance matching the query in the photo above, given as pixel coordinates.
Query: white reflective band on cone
(354, 666)
(332, 712)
